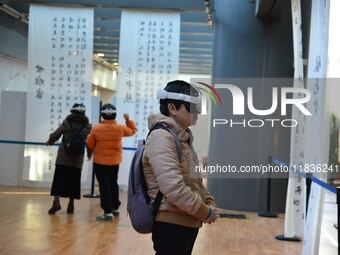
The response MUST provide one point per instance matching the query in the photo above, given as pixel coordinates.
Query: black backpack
(75, 144)
(141, 211)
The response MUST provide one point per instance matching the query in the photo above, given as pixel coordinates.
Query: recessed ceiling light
(116, 64)
(100, 54)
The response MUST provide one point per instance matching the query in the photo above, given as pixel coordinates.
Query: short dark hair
(176, 86)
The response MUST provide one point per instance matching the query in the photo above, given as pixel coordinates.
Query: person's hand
(126, 117)
(212, 216)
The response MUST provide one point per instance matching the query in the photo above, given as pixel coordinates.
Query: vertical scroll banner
(148, 60)
(295, 201)
(317, 127)
(60, 46)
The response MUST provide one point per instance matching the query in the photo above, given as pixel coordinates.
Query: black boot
(55, 207)
(70, 207)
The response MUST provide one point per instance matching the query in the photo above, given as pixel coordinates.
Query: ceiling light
(100, 54)
(96, 81)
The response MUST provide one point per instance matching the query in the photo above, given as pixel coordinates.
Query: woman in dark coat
(66, 180)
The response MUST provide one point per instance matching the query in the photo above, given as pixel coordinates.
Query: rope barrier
(309, 176)
(44, 144)
(302, 174)
(26, 143)
(92, 195)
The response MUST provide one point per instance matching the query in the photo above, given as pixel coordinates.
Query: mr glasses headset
(192, 103)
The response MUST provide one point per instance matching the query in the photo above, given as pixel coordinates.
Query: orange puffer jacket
(105, 140)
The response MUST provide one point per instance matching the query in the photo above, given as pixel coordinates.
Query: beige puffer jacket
(186, 201)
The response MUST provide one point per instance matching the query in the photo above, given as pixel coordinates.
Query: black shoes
(70, 207)
(55, 207)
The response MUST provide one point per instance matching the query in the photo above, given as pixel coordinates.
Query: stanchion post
(268, 213)
(92, 194)
(285, 238)
(308, 186)
(338, 205)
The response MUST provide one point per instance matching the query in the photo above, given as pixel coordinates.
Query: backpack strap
(78, 131)
(81, 129)
(72, 129)
(176, 139)
(70, 123)
(157, 202)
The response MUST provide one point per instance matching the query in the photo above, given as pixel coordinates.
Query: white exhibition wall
(12, 129)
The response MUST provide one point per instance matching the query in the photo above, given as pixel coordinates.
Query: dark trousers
(170, 239)
(109, 191)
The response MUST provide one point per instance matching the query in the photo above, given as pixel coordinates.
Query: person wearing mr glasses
(186, 203)
(105, 140)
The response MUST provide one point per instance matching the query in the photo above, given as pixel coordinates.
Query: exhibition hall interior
(241, 96)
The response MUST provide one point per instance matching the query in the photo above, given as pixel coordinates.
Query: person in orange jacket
(105, 140)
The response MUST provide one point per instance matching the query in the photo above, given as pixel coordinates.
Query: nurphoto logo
(297, 97)
(208, 90)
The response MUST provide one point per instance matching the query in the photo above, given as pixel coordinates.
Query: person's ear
(172, 109)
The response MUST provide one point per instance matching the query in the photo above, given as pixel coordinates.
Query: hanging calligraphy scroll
(317, 126)
(60, 47)
(148, 60)
(295, 201)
